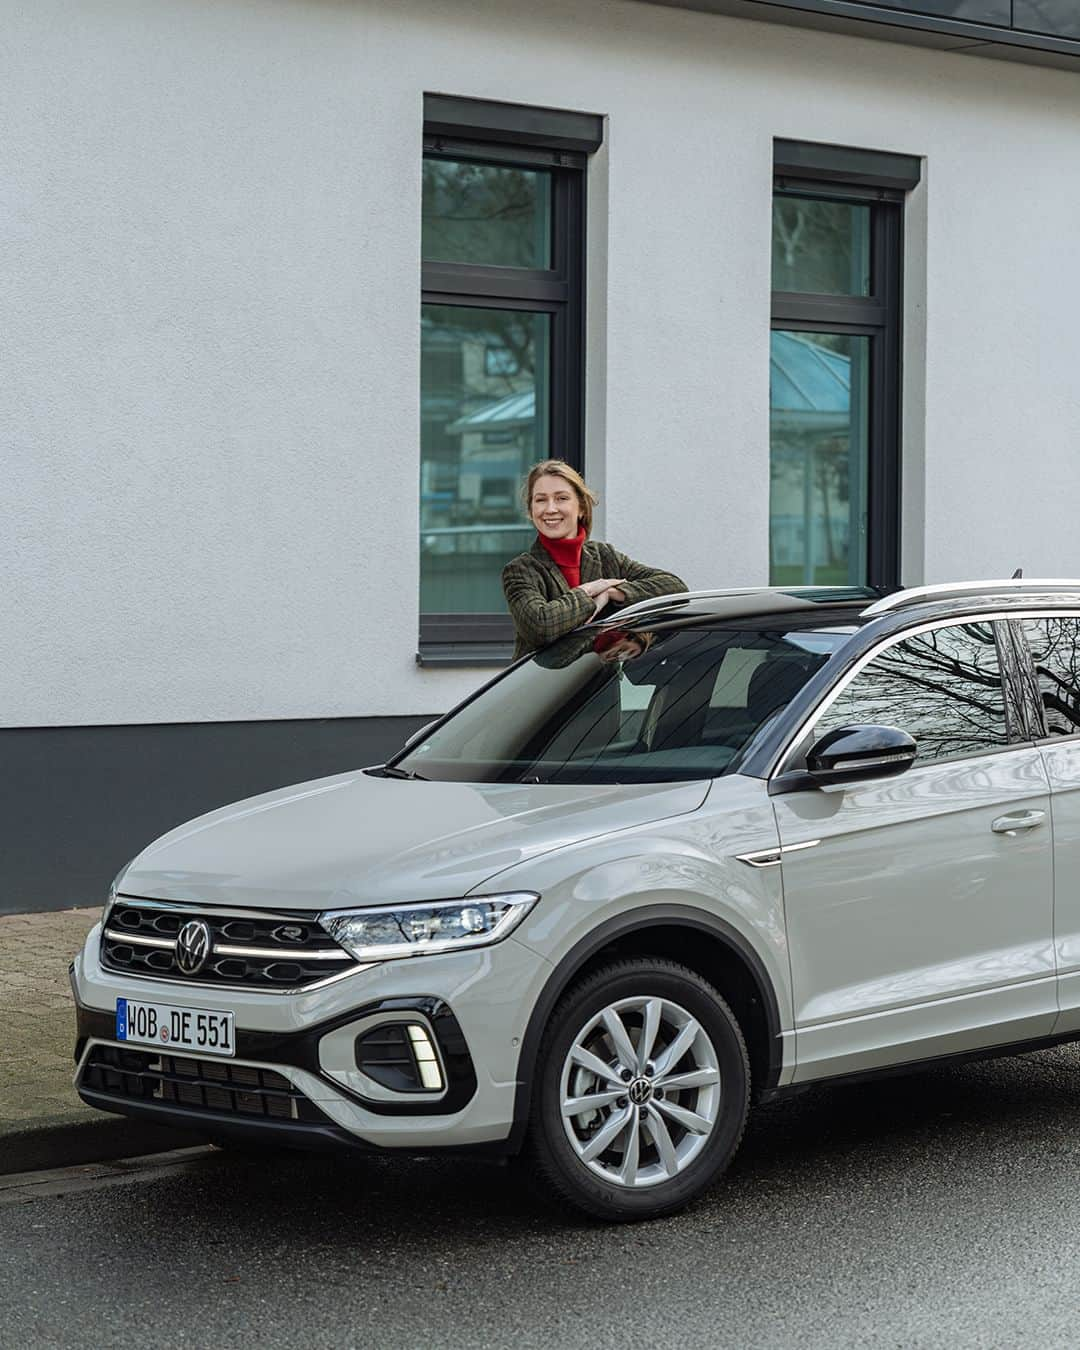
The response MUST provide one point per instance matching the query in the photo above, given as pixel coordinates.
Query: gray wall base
(77, 802)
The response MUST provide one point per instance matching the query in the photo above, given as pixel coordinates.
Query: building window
(834, 374)
(502, 352)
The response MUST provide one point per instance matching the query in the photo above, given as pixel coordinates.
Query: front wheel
(643, 1090)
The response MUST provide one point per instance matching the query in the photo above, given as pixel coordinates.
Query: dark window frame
(529, 138)
(878, 180)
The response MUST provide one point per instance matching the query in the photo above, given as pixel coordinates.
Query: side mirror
(850, 754)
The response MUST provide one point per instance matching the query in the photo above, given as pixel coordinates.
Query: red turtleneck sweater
(566, 554)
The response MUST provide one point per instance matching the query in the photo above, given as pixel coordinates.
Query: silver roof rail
(963, 590)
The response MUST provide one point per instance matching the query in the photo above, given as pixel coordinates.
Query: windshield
(626, 707)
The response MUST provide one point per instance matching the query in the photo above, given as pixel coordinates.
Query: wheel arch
(695, 938)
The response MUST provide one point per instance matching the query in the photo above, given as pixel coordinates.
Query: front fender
(691, 860)
(742, 904)
(636, 919)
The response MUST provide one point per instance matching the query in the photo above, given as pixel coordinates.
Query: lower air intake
(195, 1085)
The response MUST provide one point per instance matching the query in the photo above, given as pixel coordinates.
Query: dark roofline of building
(859, 18)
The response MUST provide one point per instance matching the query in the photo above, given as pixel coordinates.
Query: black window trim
(528, 137)
(877, 179)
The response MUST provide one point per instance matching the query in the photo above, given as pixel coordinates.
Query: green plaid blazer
(544, 607)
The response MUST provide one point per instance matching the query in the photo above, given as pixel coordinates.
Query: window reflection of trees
(1055, 647)
(943, 687)
(486, 213)
(820, 247)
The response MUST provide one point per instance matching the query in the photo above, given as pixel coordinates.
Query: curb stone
(43, 1124)
(62, 1142)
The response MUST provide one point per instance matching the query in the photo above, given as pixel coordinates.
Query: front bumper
(296, 1073)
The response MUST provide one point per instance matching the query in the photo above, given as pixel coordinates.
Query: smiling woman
(566, 579)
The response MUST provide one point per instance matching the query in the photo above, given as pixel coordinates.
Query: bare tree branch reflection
(484, 213)
(1055, 647)
(943, 687)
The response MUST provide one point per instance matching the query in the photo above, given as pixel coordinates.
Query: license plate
(165, 1025)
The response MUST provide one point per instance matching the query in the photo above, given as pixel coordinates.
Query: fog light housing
(400, 1056)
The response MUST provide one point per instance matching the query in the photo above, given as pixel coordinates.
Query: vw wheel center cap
(640, 1091)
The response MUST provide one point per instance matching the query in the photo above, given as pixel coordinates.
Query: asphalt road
(933, 1210)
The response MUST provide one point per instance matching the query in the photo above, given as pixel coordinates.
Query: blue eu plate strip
(121, 1019)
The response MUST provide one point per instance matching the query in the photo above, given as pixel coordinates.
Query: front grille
(263, 951)
(195, 1085)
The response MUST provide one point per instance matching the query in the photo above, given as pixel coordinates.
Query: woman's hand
(603, 590)
(597, 588)
(601, 601)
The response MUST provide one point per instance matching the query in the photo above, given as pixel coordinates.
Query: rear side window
(943, 687)
(1055, 649)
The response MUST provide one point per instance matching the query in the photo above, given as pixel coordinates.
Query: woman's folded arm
(644, 582)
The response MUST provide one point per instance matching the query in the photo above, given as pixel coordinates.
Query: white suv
(723, 846)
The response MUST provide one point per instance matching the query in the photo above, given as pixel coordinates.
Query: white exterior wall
(210, 261)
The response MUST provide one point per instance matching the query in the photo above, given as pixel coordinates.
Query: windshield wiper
(392, 771)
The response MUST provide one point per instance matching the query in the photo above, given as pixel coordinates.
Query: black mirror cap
(849, 754)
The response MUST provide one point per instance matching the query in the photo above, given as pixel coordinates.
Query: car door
(919, 907)
(1053, 642)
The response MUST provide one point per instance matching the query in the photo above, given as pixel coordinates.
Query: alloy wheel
(640, 1091)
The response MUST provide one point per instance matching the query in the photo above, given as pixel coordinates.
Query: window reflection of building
(480, 434)
(818, 440)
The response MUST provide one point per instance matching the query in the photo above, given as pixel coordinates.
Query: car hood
(358, 839)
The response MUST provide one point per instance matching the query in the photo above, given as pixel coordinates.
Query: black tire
(575, 1180)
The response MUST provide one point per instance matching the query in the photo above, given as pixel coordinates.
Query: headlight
(382, 934)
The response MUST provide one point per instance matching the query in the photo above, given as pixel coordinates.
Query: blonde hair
(587, 499)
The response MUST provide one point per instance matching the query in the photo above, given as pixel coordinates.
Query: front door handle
(1021, 820)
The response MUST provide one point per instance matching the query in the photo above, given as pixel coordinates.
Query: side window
(943, 687)
(1055, 649)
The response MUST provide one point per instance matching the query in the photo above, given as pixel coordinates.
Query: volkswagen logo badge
(640, 1091)
(192, 947)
